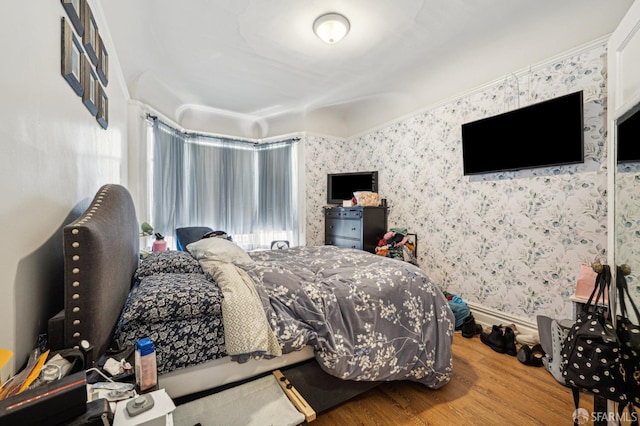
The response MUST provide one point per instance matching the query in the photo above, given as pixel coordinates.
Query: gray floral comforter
(368, 317)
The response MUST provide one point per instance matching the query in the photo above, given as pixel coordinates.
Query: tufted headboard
(101, 252)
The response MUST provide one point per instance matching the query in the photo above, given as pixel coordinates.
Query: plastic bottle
(159, 244)
(145, 365)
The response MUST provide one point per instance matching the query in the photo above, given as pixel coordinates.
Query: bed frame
(101, 254)
(101, 250)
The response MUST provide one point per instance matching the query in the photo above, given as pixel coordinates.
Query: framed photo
(74, 12)
(71, 55)
(90, 35)
(103, 62)
(90, 84)
(103, 108)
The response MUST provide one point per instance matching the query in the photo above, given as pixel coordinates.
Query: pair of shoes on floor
(470, 328)
(500, 339)
(531, 355)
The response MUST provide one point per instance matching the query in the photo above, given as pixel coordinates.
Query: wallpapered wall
(512, 241)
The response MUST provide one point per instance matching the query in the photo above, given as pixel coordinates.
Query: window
(246, 189)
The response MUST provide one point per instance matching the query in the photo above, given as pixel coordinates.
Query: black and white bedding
(178, 306)
(367, 317)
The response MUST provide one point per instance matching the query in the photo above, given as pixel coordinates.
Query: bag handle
(623, 288)
(603, 282)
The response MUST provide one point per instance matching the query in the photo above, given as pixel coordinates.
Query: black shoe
(469, 327)
(510, 342)
(531, 355)
(495, 340)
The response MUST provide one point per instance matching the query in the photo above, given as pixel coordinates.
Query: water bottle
(159, 244)
(145, 365)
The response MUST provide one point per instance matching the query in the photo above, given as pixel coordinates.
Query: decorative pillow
(221, 250)
(167, 262)
(170, 297)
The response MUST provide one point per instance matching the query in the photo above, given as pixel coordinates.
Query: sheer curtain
(246, 189)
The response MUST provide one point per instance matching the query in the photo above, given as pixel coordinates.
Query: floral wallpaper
(511, 242)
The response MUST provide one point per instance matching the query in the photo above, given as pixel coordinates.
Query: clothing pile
(459, 308)
(396, 244)
(465, 322)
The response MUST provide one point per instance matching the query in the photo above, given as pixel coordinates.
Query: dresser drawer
(349, 228)
(343, 214)
(333, 240)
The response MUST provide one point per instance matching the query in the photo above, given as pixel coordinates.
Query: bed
(362, 317)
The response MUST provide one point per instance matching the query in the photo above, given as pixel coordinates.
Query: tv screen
(341, 186)
(629, 136)
(548, 133)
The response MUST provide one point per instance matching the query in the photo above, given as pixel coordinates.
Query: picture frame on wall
(71, 55)
(103, 62)
(103, 108)
(91, 86)
(74, 12)
(90, 35)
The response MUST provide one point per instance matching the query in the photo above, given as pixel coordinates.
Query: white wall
(53, 156)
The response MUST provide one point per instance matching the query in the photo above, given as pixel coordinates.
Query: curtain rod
(195, 134)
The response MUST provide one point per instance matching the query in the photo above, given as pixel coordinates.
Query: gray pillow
(219, 249)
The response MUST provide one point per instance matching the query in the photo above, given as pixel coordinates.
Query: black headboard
(101, 254)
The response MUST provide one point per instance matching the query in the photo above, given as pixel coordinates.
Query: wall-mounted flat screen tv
(628, 136)
(341, 186)
(548, 133)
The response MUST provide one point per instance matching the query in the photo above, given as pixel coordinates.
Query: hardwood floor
(486, 388)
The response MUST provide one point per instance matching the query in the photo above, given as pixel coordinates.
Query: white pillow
(219, 249)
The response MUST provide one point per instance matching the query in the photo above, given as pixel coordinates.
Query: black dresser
(355, 227)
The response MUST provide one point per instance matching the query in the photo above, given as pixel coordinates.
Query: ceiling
(254, 68)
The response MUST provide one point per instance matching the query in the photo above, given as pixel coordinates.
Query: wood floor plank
(486, 388)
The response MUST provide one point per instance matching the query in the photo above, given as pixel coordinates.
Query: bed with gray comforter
(368, 318)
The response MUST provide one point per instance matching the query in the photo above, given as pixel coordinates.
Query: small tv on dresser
(341, 186)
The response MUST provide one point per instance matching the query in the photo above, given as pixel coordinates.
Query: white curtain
(246, 189)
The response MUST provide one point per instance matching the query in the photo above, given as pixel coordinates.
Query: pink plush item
(404, 240)
(389, 235)
(586, 282)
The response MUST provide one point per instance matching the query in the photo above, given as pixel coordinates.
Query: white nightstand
(159, 415)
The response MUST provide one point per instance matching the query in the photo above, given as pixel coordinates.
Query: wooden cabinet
(355, 227)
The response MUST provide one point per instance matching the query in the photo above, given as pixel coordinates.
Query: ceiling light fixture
(331, 27)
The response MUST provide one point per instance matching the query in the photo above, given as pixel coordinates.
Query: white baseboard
(487, 317)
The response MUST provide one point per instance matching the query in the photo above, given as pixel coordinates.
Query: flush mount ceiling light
(331, 27)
